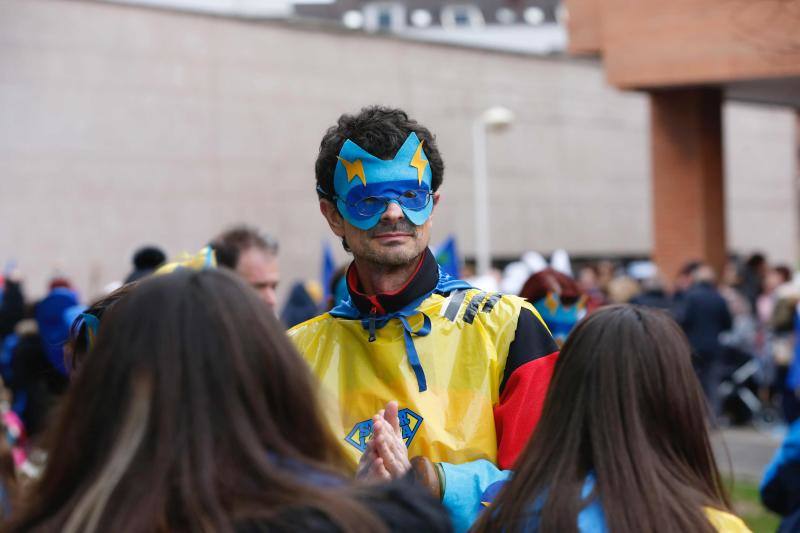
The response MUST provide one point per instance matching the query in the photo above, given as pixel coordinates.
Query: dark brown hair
(379, 130)
(185, 417)
(624, 405)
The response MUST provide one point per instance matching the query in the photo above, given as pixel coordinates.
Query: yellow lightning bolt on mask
(354, 170)
(419, 163)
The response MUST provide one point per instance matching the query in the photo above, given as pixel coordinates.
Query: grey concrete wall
(120, 126)
(761, 173)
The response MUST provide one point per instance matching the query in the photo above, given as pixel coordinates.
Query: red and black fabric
(529, 367)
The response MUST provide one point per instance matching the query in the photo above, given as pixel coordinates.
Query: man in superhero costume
(468, 370)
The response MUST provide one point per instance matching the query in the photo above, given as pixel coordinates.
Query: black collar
(423, 281)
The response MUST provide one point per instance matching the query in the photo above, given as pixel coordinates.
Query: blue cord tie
(408, 335)
(347, 310)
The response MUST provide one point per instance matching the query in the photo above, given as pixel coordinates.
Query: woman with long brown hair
(622, 444)
(192, 412)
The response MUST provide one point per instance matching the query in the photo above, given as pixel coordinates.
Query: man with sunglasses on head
(419, 371)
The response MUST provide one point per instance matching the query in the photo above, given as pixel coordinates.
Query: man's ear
(433, 209)
(332, 215)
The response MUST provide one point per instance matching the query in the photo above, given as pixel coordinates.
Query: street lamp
(495, 118)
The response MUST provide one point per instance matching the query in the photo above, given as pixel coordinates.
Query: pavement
(743, 453)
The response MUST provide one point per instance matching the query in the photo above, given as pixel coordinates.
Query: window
(461, 16)
(384, 19)
(384, 16)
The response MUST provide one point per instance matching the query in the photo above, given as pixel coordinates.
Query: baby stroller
(738, 391)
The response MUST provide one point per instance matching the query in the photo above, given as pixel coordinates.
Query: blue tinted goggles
(414, 199)
(363, 206)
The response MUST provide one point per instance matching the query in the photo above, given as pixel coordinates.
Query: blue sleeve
(780, 488)
(464, 486)
(793, 379)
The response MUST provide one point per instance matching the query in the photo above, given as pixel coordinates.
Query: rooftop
(518, 26)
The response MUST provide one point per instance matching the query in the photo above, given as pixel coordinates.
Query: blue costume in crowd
(780, 488)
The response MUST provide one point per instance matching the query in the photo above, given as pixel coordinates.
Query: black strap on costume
(472, 308)
(491, 302)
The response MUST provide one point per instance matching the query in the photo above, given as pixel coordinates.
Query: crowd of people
(744, 321)
(414, 400)
(741, 327)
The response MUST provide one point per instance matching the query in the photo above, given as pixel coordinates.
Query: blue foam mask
(365, 184)
(560, 318)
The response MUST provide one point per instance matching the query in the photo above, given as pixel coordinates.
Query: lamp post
(495, 118)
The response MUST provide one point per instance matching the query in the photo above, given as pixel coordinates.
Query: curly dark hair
(380, 131)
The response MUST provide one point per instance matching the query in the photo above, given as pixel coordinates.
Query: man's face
(393, 242)
(259, 268)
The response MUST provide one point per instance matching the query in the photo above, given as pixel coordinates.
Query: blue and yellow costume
(469, 369)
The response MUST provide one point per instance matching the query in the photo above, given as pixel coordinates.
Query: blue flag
(328, 268)
(447, 257)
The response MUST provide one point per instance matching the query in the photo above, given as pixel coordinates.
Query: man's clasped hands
(386, 456)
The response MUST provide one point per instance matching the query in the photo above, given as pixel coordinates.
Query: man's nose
(393, 213)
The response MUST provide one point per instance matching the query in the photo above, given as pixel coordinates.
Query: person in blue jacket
(780, 488)
(622, 444)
